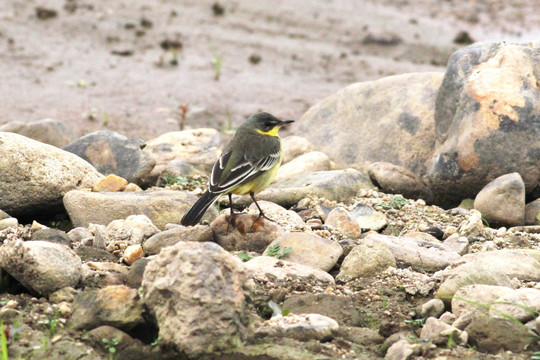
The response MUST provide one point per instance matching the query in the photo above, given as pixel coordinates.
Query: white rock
(303, 327)
(477, 297)
(282, 269)
(522, 304)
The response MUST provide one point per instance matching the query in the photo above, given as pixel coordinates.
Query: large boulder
(48, 131)
(160, 206)
(196, 292)
(34, 176)
(486, 119)
(390, 119)
(112, 153)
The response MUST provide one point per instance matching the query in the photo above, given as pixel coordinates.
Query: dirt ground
(130, 65)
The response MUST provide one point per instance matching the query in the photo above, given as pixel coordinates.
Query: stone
(477, 297)
(340, 219)
(502, 201)
(281, 270)
(41, 266)
(360, 335)
(35, 176)
(337, 185)
(486, 120)
(309, 249)
(459, 244)
(78, 234)
(432, 308)
(394, 179)
(8, 223)
(118, 306)
(132, 253)
(126, 347)
(131, 231)
(339, 308)
(197, 233)
(293, 146)
(448, 318)
(493, 335)
(4, 215)
(368, 218)
(101, 274)
(342, 125)
(496, 267)
(422, 252)
(136, 272)
(303, 327)
(439, 332)
(304, 164)
(160, 206)
(91, 253)
(472, 226)
(532, 213)
(110, 183)
(112, 153)
(521, 304)
(48, 131)
(288, 219)
(245, 232)
(196, 292)
(367, 259)
(199, 147)
(66, 294)
(52, 235)
(401, 350)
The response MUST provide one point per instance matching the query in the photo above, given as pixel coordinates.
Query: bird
(247, 165)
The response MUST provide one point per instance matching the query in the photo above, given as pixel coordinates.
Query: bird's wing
(226, 176)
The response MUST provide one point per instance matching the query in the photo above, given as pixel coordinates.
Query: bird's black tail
(197, 211)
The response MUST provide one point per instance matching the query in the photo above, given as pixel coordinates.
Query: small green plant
(217, 61)
(110, 345)
(536, 355)
(244, 256)
(277, 252)
(3, 341)
(415, 323)
(51, 323)
(450, 341)
(285, 312)
(485, 222)
(156, 342)
(396, 203)
(179, 180)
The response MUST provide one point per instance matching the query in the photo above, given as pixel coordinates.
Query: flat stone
(260, 266)
(477, 297)
(304, 164)
(197, 233)
(367, 259)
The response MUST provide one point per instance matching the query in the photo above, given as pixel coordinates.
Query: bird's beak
(285, 122)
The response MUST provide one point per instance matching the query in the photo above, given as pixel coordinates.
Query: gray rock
(422, 252)
(35, 176)
(245, 232)
(338, 185)
(173, 169)
(197, 233)
(532, 213)
(91, 253)
(4, 215)
(360, 335)
(41, 266)
(432, 308)
(52, 235)
(368, 218)
(196, 292)
(439, 332)
(339, 308)
(79, 234)
(48, 131)
(300, 327)
(160, 206)
(368, 259)
(293, 146)
(342, 125)
(288, 219)
(502, 201)
(118, 306)
(459, 244)
(126, 348)
(304, 164)
(340, 219)
(486, 120)
(199, 147)
(112, 153)
(309, 249)
(521, 304)
(477, 297)
(282, 270)
(131, 231)
(472, 226)
(136, 273)
(396, 179)
(401, 350)
(489, 268)
(494, 335)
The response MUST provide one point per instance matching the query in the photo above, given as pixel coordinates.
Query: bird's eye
(268, 125)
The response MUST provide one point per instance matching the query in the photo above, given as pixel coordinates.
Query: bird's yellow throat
(272, 132)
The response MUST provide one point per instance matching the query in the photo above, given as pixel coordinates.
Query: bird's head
(267, 124)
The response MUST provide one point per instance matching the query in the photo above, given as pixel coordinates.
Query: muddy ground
(130, 66)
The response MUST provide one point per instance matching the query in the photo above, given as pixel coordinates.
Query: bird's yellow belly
(259, 183)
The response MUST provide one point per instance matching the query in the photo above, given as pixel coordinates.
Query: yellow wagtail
(247, 165)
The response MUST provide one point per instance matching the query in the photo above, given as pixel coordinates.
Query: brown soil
(112, 64)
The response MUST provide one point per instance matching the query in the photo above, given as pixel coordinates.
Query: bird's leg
(261, 214)
(233, 214)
